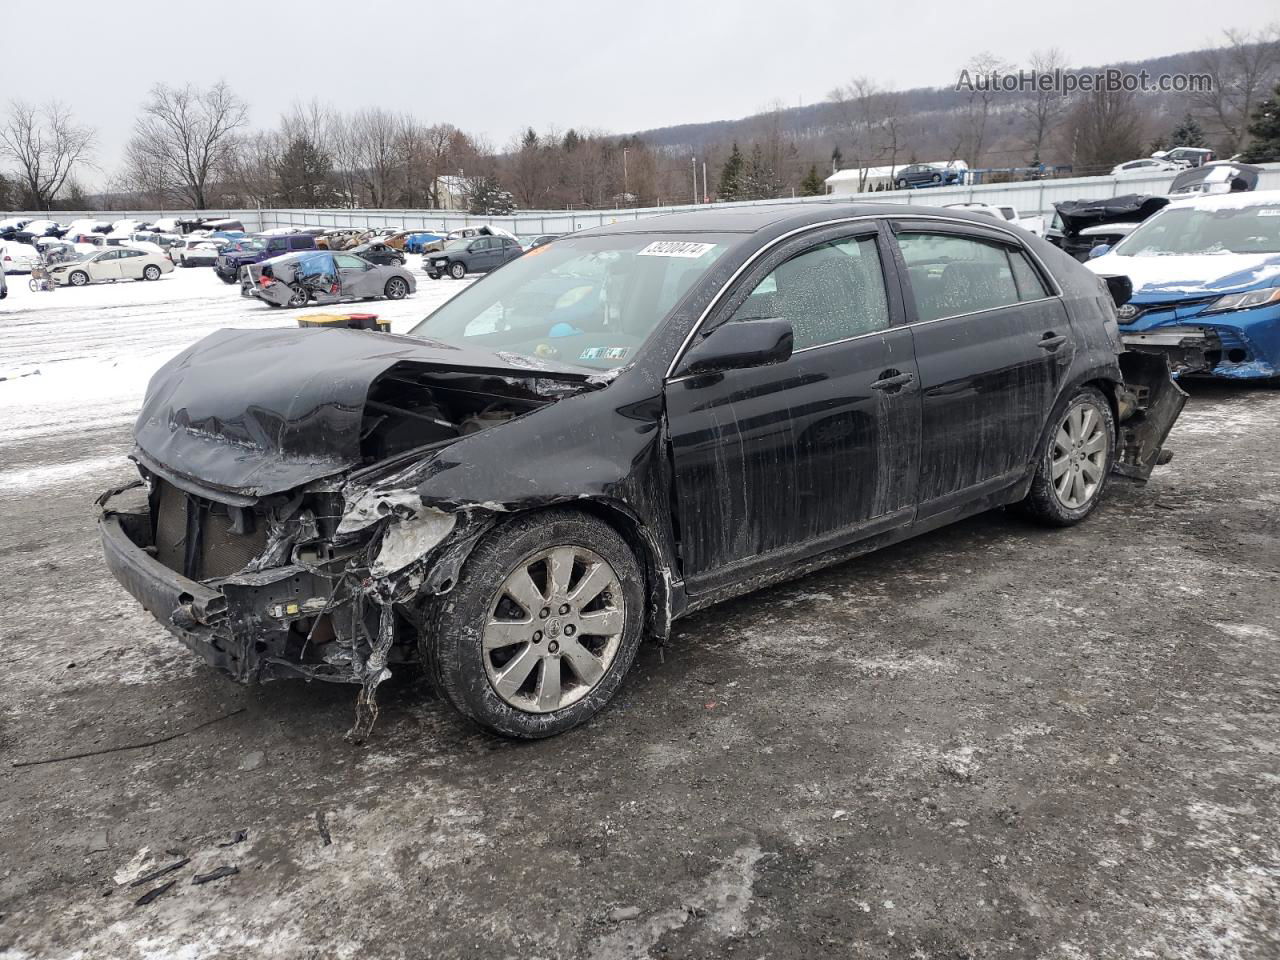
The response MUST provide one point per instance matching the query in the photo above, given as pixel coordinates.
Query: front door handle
(891, 381)
(1051, 342)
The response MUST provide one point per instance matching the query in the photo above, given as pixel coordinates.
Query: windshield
(588, 301)
(1187, 231)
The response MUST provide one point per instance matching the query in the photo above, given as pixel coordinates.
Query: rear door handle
(1051, 342)
(891, 381)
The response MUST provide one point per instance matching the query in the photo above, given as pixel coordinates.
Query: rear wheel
(457, 270)
(298, 296)
(396, 289)
(1075, 461)
(541, 627)
(152, 272)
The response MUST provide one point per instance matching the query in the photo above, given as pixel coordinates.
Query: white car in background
(198, 252)
(1146, 165)
(116, 263)
(17, 257)
(1003, 212)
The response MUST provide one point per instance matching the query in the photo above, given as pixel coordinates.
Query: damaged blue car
(1206, 285)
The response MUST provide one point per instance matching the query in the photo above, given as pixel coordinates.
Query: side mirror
(1120, 288)
(1099, 250)
(736, 345)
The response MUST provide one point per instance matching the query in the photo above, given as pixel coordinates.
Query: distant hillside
(822, 120)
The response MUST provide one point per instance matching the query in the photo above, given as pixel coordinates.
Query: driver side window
(831, 292)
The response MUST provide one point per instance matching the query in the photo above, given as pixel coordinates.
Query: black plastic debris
(216, 874)
(160, 872)
(152, 895)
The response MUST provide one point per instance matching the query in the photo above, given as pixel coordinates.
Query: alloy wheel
(554, 629)
(1079, 456)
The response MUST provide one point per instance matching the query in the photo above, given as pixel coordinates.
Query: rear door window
(951, 275)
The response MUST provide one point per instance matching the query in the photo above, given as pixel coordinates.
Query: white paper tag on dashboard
(675, 248)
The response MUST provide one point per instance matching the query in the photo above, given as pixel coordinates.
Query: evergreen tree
(571, 141)
(812, 185)
(760, 182)
(304, 171)
(489, 199)
(1188, 133)
(731, 176)
(1264, 130)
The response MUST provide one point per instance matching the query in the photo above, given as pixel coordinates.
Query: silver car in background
(320, 276)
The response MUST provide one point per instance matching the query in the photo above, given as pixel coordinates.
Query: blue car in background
(417, 242)
(1206, 285)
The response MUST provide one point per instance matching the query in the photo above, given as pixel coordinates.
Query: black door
(779, 462)
(993, 344)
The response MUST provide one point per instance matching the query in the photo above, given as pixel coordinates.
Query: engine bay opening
(409, 407)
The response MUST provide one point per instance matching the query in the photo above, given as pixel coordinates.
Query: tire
(151, 272)
(457, 270)
(936, 178)
(1082, 435)
(224, 278)
(300, 295)
(902, 184)
(468, 675)
(433, 276)
(78, 278)
(396, 289)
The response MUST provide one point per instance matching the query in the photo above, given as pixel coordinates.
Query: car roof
(1229, 201)
(775, 217)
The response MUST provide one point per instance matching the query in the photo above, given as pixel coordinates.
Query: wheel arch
(635, 533)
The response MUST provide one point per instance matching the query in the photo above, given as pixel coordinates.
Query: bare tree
(858, 104)
(977, 108)
(1044, 110)
(1107, 127)
(185, 136)
(1241, 73)
(375, 153)
(47, 145)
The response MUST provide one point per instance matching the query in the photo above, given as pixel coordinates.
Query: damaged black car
(617, 429)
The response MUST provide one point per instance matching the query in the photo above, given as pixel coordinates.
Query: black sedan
(471, 255)
(626, 426)
(379, 253)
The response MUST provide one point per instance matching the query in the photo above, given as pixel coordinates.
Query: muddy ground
(994, 741)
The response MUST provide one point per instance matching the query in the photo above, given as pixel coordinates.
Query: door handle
(1051, 342)
(891, 381)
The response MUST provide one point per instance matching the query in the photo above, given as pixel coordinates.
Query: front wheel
(432, 275)
(226, 279)
(1075, 461)
(396, 289)
(457, 270)
(937, 178)
(541, 626)
(78, 279)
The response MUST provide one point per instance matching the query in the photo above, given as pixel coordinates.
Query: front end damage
(332, 578)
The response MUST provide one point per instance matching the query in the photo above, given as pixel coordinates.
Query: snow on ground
(78, 360)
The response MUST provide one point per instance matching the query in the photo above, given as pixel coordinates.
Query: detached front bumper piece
(254, 626)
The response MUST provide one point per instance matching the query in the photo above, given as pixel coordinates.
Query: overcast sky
(495, 67)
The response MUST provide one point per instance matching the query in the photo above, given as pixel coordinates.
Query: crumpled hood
(256, 412)
(1159, 278)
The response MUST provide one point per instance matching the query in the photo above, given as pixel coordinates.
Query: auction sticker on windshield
(675, 248)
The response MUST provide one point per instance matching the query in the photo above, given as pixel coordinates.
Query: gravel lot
(993, 741)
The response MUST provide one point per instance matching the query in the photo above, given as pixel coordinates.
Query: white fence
(1031, 198)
